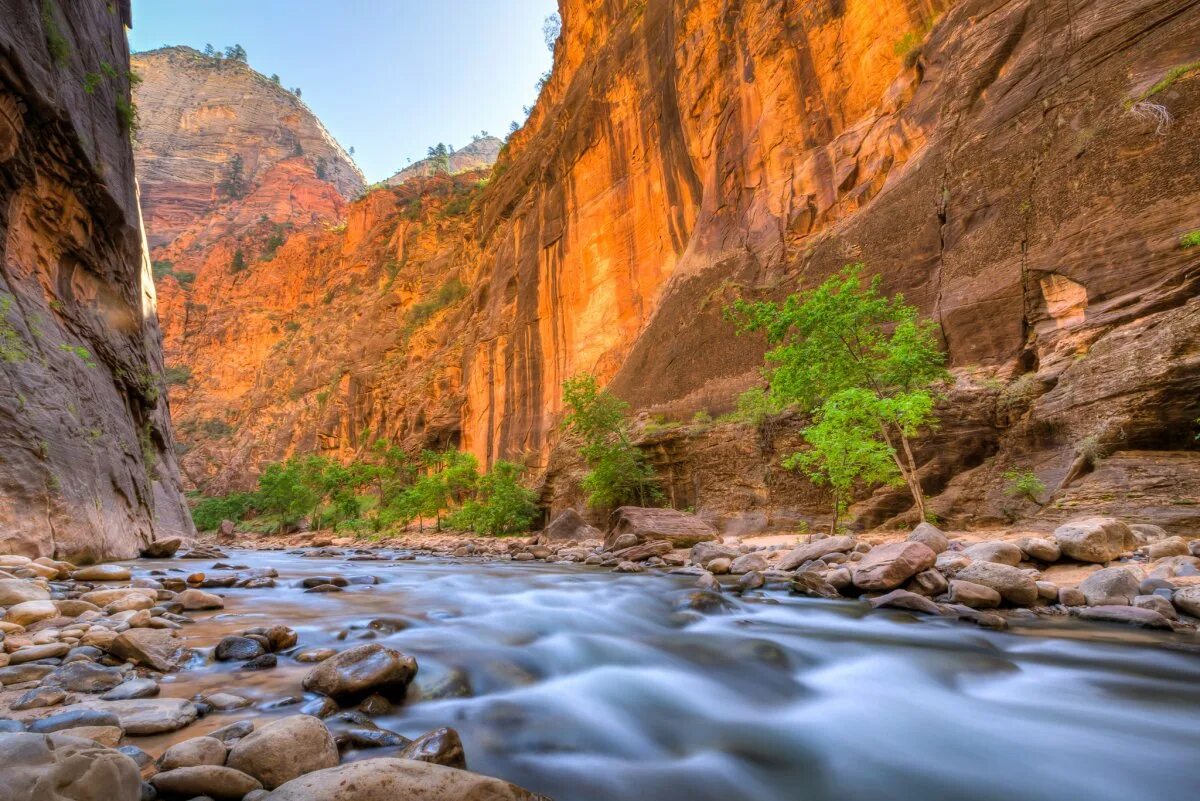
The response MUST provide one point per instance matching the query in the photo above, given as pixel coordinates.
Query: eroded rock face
(664, 173)
(89, 470)
(63, 768)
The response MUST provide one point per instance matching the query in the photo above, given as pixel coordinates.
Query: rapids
(589, 686)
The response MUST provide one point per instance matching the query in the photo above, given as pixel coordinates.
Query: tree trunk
(907, 471)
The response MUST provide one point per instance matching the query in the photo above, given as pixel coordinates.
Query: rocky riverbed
(707, 670)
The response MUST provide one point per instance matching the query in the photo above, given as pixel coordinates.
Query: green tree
(502, 505)
(448, 479)
(439, 158)
(872, 357)
(618, 472)
(283, 492)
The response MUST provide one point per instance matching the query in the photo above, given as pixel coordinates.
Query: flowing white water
(590, 686)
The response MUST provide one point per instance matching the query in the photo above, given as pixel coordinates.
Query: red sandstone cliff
(982, 155)
(87, 468)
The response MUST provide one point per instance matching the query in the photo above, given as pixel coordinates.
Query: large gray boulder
(1014, 585)
(930, 535)
(398, 780)
(285, 749)
(361, 671)
(56, 767)
(1094, 539)
(1113, 586)
(1187, 600)
(569, 525)
(1002, 553)
(886, 567)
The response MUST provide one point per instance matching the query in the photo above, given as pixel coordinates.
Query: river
(591, 686)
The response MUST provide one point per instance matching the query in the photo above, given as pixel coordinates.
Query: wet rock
(704, 552)
(156, 648)
(281, 638)
(681, 529)
(975, 596)
(886, 567)
(192, 753)
(86, 677)
(1094, 539)
(1014, 585)
(987, 620)
(393, 779)
(569, 525)
(903, 599)
(1037, 549)
(132, 689)
(931, 536)
(1002, 553)
(194, 600)
(361, 671)
(107, 736)
(285, 749)
(102, 573)
(708, 582)
(1113, 586)
(1146, 618)
(812, 584)
(238, 649)
(16, 591)
(643, 552)
(375, 705)
(214, 781)
(750, 581)
(320, 581)
(263, 662)
(36, 767)
(628, 567)
(321, 588)
(454, 684)
(73, 718)
(720, 566)
(225, 702)
(313, 654)
(439, 747)
(1070, 596)
(162, 549)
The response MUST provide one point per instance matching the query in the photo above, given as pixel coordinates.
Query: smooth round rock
(214, 781)
(395, 779)
(102, 573)
(194, 752)
(361, 671)
(285, 749)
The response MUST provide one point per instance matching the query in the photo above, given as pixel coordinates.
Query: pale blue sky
(387, 77)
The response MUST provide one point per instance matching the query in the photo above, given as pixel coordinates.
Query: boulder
(361, 671)
(440, 747)
(86, 677)
(52, 650)
(1002, 553)
(17, 591)
(1037, 549)
(396, 779)
(145, 716)
(1113, 586)
(103, 573)
(192, 753)
(156, 648)
(1070, 596)
(886, 567)
(1094, 539)
(1145, 533)
(814, 585)
(681, 529)
(704, 552)
(569, 525)
(238, 649)
(106, 597)
(162, 549)
(285, 749)
(815, 550)
(214, 781)
(1014, 585)
(132, 689)
(751, 562)
(975, 596)
(931, 536)
(1157, 603)
(1171, 546)
(57, 767)
(928, 582)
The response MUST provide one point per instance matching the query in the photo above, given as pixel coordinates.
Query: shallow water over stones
(590, 686)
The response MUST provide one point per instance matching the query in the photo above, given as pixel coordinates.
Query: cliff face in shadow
(87, 468)
(994, 160)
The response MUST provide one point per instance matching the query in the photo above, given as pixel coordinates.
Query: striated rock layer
(481, 154)
(87, 468)
(993, 159)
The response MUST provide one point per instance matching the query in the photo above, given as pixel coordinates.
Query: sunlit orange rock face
(984, 156)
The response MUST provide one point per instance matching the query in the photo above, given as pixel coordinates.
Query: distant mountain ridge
(480, 154)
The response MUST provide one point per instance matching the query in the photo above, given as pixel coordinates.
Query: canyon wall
(481, 154)
(1022, 171)
(87, 468)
